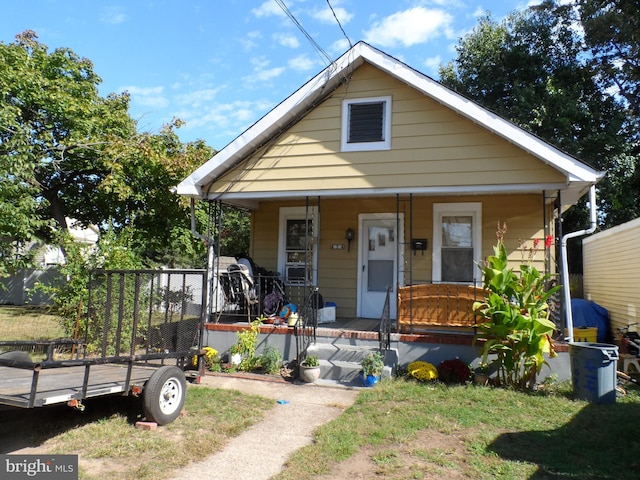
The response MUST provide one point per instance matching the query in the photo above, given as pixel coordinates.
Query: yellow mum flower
(423, 371)
(210, 355)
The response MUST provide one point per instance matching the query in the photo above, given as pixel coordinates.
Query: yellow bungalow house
(374, 176)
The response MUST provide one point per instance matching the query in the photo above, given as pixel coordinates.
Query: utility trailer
(141, 336)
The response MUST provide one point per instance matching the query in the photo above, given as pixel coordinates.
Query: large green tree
(532, 69)
(67, 152)
(612, 33)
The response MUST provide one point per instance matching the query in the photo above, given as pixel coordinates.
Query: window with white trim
(366, 124)
(297, 252)
(457, 242)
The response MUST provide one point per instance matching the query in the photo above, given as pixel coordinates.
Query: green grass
(399, 429)
(29, 323)
(409, 430)
(110, 447)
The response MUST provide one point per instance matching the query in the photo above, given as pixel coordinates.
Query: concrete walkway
(284, 429)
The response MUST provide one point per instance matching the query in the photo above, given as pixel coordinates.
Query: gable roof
(579, 176)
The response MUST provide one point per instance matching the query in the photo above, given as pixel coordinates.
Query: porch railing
(235, 298)
(384, 332)
(308, 320)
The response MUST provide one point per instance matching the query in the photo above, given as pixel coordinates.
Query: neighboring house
(374, 175)
(19, 289)
(611, 273)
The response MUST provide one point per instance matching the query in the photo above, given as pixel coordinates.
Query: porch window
(366, 124)
(297, 252)
(456, 242)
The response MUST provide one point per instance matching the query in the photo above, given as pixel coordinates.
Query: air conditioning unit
(295, 273)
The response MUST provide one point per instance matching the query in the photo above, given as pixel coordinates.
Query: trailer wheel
(163, 395)
(16, 355)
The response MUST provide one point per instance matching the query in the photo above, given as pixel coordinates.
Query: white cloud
(113, 15)
(268, 9)
(223, 120)
(410, 27)
(286, 40)
(266, 75)
(339, 46)
(250, 41)
(433, 63)
(302, 63)
(325, 15)
(197, 97)
(261, 72)
(148, 96)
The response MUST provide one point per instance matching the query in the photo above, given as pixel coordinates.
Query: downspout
(565, 263)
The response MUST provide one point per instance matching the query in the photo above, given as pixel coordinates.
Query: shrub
(454, 371)
(422, 371)
(515, 323)
(271, 360)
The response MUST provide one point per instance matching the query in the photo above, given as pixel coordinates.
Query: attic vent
(366, 124)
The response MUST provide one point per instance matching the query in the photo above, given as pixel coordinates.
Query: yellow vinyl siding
(430, 146)
(338, 269)
(611, 273)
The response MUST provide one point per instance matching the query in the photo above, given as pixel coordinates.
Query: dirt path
(288, 427)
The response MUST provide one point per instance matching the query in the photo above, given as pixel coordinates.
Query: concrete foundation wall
(407, 352)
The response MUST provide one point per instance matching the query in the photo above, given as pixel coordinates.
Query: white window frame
(473, 209)
(298, 213)
(385, 144)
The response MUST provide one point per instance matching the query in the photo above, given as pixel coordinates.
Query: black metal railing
(384, 331)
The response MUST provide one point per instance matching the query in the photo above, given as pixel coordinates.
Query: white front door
(378, 263)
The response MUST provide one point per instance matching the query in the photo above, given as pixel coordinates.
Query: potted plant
(481, 374)
(310, 369)
(235, 354)
(372, 366)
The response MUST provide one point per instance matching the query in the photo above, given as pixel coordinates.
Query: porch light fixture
(349, 236)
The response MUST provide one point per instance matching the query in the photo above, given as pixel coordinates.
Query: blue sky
(220, 65)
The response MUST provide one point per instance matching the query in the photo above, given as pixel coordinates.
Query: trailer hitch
(77, 404)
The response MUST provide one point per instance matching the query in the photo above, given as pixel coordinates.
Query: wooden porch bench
(434, 305)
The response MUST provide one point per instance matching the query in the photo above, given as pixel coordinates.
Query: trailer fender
(164, 395)
(16, 356)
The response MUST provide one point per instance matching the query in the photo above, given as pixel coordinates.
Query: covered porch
(370, 182)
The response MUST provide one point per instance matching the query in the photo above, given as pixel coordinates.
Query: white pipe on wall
(565, 264)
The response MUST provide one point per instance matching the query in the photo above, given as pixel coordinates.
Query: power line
(339, 24)
(315, 44)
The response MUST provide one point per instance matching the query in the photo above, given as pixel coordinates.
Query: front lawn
(408, 430)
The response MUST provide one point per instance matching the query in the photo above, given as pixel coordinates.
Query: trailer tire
(164, 394)
(16, 355)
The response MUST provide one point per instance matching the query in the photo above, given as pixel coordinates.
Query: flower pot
(235, 358)
(480, 378)
(369, 380)
(309, 374)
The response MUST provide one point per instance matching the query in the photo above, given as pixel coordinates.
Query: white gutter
(565, 265)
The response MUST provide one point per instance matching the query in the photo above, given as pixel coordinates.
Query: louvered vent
(366, 122)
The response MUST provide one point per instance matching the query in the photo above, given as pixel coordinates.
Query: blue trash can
(593, 371)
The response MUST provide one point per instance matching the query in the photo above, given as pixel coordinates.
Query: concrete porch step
(340, 364)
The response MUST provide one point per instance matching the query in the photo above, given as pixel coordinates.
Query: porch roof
(578, 176)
